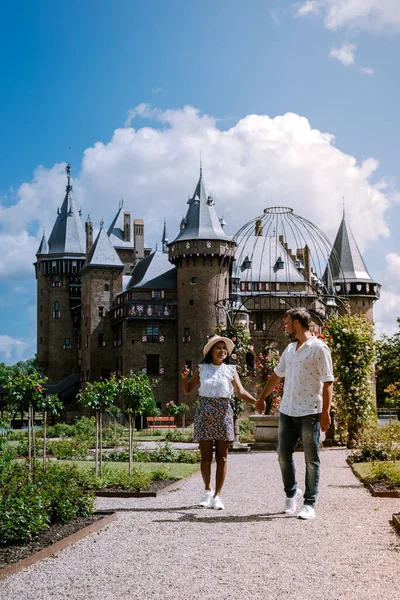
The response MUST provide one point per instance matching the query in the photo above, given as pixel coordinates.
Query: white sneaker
(217, 503)
(307, 512)
(291, 504)
(207, 498)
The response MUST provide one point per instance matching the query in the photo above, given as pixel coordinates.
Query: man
(306, 365)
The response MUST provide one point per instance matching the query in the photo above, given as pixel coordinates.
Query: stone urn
(265, 432)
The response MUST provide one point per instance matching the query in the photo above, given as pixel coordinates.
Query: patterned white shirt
(305, 371)
(216, 380)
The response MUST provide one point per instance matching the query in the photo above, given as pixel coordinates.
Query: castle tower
(101, 277)
(202, 254)
(59, 290)
(361, 290)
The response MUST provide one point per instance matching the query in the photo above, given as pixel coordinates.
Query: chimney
(307, 264)
(89, 236)
(138, 237)
(127, 227)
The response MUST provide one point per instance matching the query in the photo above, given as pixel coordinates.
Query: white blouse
(216, 380)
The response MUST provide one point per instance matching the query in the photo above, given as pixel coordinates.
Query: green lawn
(364, 469)
(175, 470)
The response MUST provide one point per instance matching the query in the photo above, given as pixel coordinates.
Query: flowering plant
(351, 341)
(264, 365)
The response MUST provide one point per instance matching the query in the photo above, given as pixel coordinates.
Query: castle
(113, 305)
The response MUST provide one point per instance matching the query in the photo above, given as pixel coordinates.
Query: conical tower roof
(103, 253)
(116, 230)
(68, 234)
(352, 266)
(43, 247)
(201, 221)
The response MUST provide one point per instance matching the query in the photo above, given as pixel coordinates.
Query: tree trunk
(96, 455)
(130, 444)
(183, 422)
(33, 438)
(101, 442)
(44, 438)
(29, 437)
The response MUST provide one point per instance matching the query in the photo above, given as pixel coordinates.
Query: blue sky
(105, 85)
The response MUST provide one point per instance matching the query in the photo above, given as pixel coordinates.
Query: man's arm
(273, 381)
(325, 419)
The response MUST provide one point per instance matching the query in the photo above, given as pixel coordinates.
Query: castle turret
(101, 277)
(59, 291)
(202, 253)
(361, 290)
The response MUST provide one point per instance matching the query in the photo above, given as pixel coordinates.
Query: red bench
(161, 422)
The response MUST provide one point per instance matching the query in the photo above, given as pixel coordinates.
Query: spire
(165, 238)
(68, 235)
(120, 230)
(347, 252)
(43, 248)
(201, 221)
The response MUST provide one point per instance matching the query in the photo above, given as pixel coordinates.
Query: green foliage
(23, 389)
(30, 501)
(164, 453)
(393, 398)
(351, 340)
(247, 428)
(264, 365)
(137, 481)
(50, 404)
(174, 435)
(75, 449)
(99, 395)
(378, 443)
(387, 364)
(387, 473)
(136, 394)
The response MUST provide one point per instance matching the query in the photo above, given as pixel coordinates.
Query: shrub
(173, 435)
(69, 449)
(246, 430)
(30, 501)
(139, 480)
(378, 443)
(387, 473)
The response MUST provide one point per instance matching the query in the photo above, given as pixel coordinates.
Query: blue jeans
(290, 429)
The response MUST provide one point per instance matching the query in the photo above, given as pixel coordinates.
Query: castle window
(41, 291)
(56, 310)
(152, 364)
(57, 281)
(40, 340)
(41, 308)
(101, 311)
(100, 339)
(186, 335)
(191, 302)
(106, 287)
(193, 280)
(152, 333)
(67, 344)
(157, 294)
(87, 342)
(277, 286)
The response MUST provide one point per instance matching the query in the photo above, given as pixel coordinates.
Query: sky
(288, 103)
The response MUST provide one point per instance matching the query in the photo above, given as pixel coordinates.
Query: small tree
(136, 395)
(351, 340)
(99, 396)
(48, 404)
(183, 409)
(23, 392)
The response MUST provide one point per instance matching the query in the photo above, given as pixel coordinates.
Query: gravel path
(166, 548)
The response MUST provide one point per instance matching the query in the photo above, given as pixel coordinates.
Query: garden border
(370, 487)
(144, 494)
(109, 517)
(396, 521)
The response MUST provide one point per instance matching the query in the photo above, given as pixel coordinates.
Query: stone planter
(266, 431)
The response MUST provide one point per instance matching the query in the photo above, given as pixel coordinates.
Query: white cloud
(12, 350)
(367, 70)
(372, 15)
(258, 162)
(387, 309)
(344, 54)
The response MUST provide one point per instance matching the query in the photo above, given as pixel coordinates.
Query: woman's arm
(241, 392)
(194, 382)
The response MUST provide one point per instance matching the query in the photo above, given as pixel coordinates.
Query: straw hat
(217, 338)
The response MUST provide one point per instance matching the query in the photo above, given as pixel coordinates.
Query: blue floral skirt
(213, 420)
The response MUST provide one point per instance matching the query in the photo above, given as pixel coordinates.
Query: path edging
(61, 544)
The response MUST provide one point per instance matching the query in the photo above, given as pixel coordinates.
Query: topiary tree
(48, 404)
(351, 340)
(136, 395)
(387, 364)
(99, 396)
(23, 393)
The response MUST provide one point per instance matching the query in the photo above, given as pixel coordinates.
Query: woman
(213, 421)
